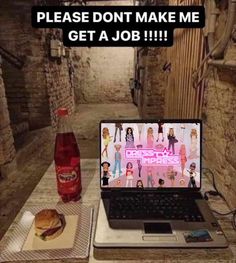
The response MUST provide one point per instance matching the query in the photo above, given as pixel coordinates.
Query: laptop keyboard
(149, 206)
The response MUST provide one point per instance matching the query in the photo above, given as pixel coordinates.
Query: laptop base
(165, 234)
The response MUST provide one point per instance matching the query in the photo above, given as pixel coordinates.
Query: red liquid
(67, 163)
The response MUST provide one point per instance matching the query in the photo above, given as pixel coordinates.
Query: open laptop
(150, 177)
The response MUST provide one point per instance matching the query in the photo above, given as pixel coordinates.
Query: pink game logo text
(152, 157)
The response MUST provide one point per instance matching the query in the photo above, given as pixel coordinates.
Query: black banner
(118, 25)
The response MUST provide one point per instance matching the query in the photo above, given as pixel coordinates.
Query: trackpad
(157, 228)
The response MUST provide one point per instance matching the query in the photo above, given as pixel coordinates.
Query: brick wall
(152, 78)
(59, 87)
(102, 74)
(43, 84)
(7, 150)
(25, 88)
(153, 82)
(110, 3)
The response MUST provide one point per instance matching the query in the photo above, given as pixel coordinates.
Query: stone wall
(43, 84)
(7, 150)
(110, 3)
(150, 78)
(220, 119)
(153, 81)
(25, 88)
(59, 87)
(219, 130)
(102, 74)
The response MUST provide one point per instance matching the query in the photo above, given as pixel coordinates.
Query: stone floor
(35, 154)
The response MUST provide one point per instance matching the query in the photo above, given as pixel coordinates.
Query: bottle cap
(62, 112)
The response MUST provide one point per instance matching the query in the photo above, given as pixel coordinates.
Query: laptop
(150, 178)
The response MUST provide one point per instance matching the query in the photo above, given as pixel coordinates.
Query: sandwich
(49, 224)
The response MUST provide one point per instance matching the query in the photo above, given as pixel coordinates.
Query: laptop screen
(162, 154)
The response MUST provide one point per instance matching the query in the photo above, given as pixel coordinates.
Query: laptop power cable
(216, 192)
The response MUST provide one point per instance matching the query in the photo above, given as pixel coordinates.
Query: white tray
(74, 242)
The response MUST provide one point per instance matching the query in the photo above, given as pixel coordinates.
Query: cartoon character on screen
(129, 138)
(105, 173)
(182, 182)
(192, 173)
(129, 174)
(183, 158)
(139, 184)
(117, 160)
(118, 183)
(150, 137)
(171, 175)
(182, 127)
(140, 146)
(150, 181)
(172, 140)
(161, 183)
(140, 126)
(160, 131)
(160, 147)
(118, 126)
(106, 140)
(193, 146)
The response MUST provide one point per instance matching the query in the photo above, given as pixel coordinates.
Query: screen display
(145, 155)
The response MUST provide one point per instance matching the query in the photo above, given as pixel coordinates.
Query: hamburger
(49, 224)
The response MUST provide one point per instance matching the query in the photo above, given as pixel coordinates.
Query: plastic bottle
(67, 159)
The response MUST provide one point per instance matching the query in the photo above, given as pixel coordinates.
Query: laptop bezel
(153, 189)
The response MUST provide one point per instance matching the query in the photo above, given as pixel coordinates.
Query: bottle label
(68, 179)
(67, 174)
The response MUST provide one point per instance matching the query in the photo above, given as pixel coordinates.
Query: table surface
(46, 193)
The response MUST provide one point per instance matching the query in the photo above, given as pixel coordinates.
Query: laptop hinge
(107, 193)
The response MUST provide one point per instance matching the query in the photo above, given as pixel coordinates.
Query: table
(46, 193)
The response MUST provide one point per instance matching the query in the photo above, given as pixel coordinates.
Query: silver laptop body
(146, 163)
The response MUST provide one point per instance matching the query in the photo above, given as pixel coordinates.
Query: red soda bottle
(67, 160)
